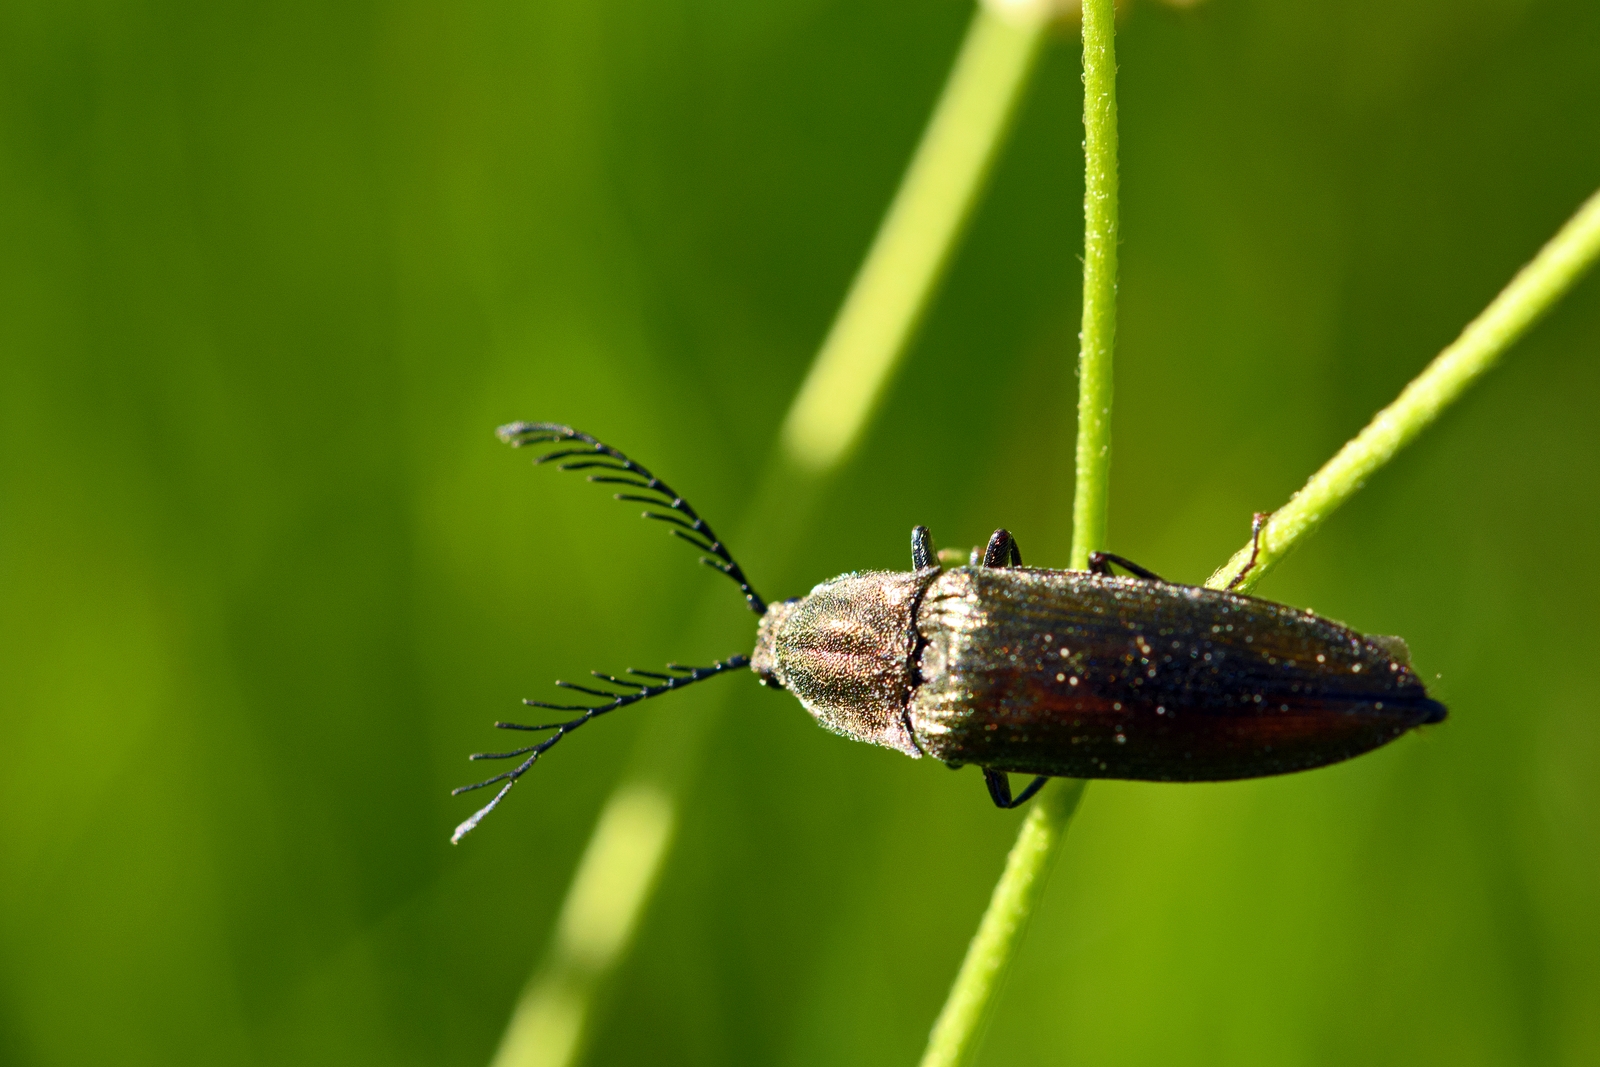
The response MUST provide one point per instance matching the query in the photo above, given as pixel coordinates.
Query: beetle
(1051, 673)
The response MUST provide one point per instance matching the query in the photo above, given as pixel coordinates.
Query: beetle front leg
(1100, 563)
(1002, 550)
(1000, 789)
(922, 554)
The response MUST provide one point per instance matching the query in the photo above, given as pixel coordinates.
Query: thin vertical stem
(960, 1023)
(1099, 332)
(961, 1020)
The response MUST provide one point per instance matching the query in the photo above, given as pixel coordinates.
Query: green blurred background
(270, 275)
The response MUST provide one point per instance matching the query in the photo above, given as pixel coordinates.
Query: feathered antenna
(592, 454)
(611, 700)
(597, 455)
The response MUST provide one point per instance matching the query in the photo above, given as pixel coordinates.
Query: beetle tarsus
(1002, 550)
(922, 553)
(1100, 563)
(1000, 789)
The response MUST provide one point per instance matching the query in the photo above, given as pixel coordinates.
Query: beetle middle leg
(1100, 563)
(1000, 789)
(1002, 550)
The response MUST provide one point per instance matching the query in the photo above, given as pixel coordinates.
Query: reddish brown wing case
(1071, 674)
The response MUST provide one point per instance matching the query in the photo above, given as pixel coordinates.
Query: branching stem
(1099, 331)
(1534, 291)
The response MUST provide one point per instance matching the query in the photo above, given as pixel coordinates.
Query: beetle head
(845, 651)
(764, 661)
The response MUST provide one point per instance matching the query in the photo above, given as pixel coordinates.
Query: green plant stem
(1099, 331)
(913, 245)
(634, 834)
(1535, 289)
(960, 1022)
(1003, 923)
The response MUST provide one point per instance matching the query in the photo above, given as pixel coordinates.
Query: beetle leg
(1032, 788)
(1000, 789)
(922, 554)
(1100, 563)
(905, 720)
(1258, 520)
(1002, 550)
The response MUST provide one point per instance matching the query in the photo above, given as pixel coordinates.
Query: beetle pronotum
(1078, 674)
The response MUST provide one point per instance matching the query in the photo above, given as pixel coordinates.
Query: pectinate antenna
(610, 699)
(591, 454)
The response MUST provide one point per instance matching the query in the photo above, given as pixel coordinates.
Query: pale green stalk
(913, 246)
(613, 881)
(1000, 931)
(1535, 289)
(1100, 232)
(624, 856)
(956, 1031)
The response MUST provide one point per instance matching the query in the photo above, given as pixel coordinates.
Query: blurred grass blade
(840, 395)
(913, 245)
(608, 892)
(960, 1023)
(1534, 291)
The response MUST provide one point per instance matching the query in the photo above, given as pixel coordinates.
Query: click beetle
(1052, 673)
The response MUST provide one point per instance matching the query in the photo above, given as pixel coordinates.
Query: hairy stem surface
(1099, 330)
(956, 1031)
(1003, 923)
